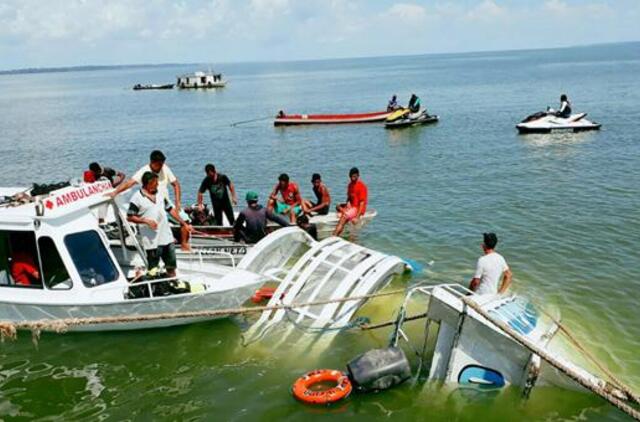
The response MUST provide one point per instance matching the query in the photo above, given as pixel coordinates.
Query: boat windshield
(91, 258)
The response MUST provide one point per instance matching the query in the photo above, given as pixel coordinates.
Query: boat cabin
(201, 80)
(54, 245)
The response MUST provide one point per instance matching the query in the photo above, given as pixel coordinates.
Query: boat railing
(221, 253)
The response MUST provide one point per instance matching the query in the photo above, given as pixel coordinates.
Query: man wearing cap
(492, 275)
(251, 224)
(148, 208)
(356, 204)
(165, 178)
(97, 172)
(323, 199)
(291, 203)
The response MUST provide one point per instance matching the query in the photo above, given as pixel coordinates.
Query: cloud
(33, 32)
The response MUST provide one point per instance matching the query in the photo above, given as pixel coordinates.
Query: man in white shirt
(165, 178)
(148, 208)
(492, 275)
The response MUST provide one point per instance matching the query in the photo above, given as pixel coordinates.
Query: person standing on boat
(148, 209)
(323, 198)
(217, 184)
(356, 205)
(291, 203)
(97, 172)
(251, 224)
(165, 178)
(492, 275)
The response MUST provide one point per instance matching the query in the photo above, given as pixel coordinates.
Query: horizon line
(91, 67)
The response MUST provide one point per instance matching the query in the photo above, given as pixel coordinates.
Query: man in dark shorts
(323, 198)
(251, 225)
(149, 210)
(97, 172)
(217, 184)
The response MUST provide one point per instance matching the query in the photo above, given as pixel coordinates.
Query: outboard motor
(379, 369)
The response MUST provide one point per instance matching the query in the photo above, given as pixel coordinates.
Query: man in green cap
(251, 224)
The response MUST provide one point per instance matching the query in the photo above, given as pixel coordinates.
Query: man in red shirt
(23, 269)
(291, 203)
(356, 204)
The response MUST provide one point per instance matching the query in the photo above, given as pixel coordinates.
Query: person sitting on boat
(356, 204)
(414, 103)
(565, 107)
(291, 203)
(393, 104)
(323, 199)
(251, 224)
(217, 184)
(148, 208)
(24, 270)
(97, 172)
(165, 178)
(492, 275)
(310, 228)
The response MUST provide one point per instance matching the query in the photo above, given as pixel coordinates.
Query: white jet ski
(547, 122)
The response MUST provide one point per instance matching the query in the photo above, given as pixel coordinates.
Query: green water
(564, 206)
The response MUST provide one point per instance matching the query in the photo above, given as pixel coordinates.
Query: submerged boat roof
(199, 74)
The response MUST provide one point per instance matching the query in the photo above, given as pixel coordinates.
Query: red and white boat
(317, 119)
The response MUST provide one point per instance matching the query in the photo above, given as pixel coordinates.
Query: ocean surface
(565, 208)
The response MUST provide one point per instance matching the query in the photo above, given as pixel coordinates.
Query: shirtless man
(323, 198)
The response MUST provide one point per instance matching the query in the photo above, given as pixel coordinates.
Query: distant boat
(315, 119)
(201, 80)
(138, 87)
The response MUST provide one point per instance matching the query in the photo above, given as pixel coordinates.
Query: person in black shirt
(217, 184)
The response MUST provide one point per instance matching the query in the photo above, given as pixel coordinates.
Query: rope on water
(615, 397)
(8, 329)
(242, 122)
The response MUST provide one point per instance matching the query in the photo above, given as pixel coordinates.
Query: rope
(242, 122)
(8, 329)
(606, 392)
(593, 359)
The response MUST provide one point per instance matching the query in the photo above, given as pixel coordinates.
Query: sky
(50, 33)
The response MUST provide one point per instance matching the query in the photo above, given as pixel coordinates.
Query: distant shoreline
(88, 68)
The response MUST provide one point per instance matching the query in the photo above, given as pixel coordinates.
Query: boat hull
(402, 123)
(189, 302)
(320, 119)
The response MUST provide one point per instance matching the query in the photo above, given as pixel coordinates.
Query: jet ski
(405, 118)
(547, 122)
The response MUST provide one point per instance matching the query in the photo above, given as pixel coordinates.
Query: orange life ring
(302, 387)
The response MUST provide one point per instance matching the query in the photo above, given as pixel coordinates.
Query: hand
(111, 194)
(153, 224)
(200, 207)
(234, 201)
(178, 206)
(189, 227)
(356, 220)
(36, 275)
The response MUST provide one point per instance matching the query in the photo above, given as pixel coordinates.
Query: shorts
(321, 211)
(282, 208)
(350, 213)
(166, 252)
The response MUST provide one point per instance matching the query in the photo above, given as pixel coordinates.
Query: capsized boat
(139, 87)
(488, 342)
(78, 275)
(544, 122)
(318, 119)
(307, 271)
(404, 118)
